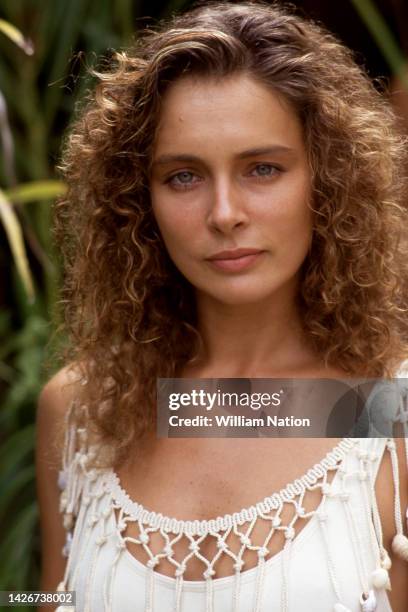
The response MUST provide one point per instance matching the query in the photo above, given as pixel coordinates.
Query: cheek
(288, 213)
(178, 227)
(178, 218)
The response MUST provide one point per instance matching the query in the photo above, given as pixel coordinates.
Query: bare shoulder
(60, 389)
(53, 404)
(385, 495)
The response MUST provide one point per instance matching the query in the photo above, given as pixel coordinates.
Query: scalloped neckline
(137, 511)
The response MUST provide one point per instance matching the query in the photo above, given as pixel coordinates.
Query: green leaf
(15, 449)
(15, 545)
(16, 36)
(383, 37)
(74, 14)
(16, 241)
(36, 190)
(11, 487)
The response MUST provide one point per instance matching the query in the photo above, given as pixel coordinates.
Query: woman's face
(230, 187)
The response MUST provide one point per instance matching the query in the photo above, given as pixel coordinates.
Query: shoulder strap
(74, 461)
(393, 405)
(400, 415)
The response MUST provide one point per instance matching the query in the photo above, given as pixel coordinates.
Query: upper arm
(385, 495)
(53, 404)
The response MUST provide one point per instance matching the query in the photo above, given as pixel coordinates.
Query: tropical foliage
(45, 48)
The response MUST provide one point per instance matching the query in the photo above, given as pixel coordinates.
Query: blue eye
(181, 178)
(186, 179)
(266, 170)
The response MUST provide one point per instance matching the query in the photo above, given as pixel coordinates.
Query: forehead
(237, 111)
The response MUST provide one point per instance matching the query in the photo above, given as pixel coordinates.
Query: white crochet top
(336, 562)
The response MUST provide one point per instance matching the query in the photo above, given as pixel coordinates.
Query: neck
(250, 340)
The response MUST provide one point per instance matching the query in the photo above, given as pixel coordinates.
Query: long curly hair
(129, 314)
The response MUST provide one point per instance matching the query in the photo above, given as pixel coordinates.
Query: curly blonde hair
(129, 313)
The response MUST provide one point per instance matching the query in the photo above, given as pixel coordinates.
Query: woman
(234, 210)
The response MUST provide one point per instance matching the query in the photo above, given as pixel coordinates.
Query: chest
(201, 480)
(194, 479)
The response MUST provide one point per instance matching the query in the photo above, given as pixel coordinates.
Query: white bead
(276, 521)
(83, 461)
(208, 573)
(62, 479)
(289, 533)
(92, 475)
(369, 604)
(92, 520)
(400, 546)
(144, 538)
(63, 502)
(386, 562)
(380, 579)
(68, 520)
(101, 540)
(67, 546)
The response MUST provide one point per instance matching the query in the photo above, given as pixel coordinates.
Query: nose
(227, 211)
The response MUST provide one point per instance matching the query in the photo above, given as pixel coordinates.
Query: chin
(249, 288)
(238, 296)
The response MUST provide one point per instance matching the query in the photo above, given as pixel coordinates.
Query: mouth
(235, 260)
(233, 254)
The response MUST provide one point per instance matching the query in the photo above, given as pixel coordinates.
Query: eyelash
(183, 186)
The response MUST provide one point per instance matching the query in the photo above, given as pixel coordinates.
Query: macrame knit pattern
(91, 496)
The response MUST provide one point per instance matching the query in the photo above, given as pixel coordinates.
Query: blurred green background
(45, 49)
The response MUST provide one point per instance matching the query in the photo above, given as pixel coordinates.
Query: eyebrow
(185, 157)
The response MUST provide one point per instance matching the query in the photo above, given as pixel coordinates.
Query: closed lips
(238, 253)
